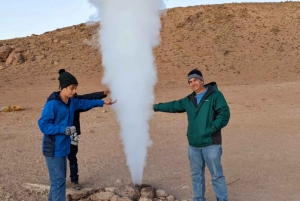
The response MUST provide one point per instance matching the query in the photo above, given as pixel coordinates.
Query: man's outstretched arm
(172, 107)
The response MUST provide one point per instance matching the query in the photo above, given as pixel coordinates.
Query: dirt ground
(260, 144)
(250, 50)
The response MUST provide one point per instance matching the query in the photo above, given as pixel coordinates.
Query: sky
(21, 18)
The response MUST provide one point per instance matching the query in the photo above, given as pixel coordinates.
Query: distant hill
(230, 43)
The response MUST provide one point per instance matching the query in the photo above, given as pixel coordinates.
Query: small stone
(110, 189)
(102, 196)
(161, 193)
(39, 57)
(19, 50)
(145, 199)
(114, 198)
(147, 192)
(79, 194)
(129, 192)
(124, 199)
(170, 198)
(119, 181)
(104, 111)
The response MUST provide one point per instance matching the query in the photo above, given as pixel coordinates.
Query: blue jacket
(92, 96)
(56, 116)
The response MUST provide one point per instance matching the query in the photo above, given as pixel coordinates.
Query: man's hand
(106, 92)
(70, 130)
(74, 139)
(109, 102)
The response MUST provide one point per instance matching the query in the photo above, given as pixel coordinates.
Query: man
(208, 113)
(74, 145)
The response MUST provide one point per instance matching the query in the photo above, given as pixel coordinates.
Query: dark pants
(73, 163)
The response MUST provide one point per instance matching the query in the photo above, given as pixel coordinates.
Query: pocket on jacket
(210, 130)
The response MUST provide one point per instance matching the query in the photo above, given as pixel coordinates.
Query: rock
(129, 192)
(170, 198)
(19, 50)
(145, 199)
(104, 111)
(161, 193)
(118, 181)
(110, 189)
(4, 52)
(102, 196)
(14, 58)
(114, 198)
(3, 67)
(124, 199)
(76, 195)
(148, 192)
(39, 57)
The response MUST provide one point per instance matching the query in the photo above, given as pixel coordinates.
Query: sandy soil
(260, 143)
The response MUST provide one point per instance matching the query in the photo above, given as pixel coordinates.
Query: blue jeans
(57, 167)
(211, 156)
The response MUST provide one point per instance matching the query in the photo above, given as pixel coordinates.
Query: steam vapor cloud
(129, 31)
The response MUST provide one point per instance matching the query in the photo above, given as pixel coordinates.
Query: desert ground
(250, 50)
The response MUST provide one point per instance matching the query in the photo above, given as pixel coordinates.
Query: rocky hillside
(230, 43)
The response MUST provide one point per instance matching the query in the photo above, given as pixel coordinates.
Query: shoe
(75, 185)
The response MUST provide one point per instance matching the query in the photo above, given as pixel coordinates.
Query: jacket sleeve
(92, 96)
(171, 107)
(83, 104)
(222, 112)
(46, 122)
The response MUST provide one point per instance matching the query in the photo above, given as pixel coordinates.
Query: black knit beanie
(66, 79)
(195, 74)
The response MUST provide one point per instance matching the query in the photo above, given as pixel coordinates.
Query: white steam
(129, 31)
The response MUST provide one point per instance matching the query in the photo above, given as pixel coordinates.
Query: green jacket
(205, 120)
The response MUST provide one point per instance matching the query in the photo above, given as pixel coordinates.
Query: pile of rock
(142, 192)
(11, 55)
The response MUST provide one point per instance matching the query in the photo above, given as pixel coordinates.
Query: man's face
(70, 90)
(195, 84)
